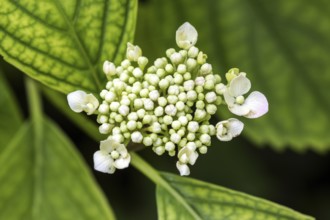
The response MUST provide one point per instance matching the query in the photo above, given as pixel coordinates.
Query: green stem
(34, 102)
(155, 177)
(80, 120)
(35, 107)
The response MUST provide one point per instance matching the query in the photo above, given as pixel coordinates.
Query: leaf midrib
(78, 42)
(233, 194)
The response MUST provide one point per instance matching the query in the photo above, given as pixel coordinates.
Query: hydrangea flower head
(167, 106)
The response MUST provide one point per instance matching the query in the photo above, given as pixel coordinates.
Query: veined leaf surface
(62, 43)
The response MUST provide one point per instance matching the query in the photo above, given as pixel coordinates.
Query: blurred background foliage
(284, 48)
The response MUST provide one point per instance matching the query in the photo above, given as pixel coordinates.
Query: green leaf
(10, 117)
(208, 201)
(63, 44)
(282, 45)
(49, 181)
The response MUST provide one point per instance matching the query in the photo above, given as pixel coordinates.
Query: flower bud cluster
(168, 106)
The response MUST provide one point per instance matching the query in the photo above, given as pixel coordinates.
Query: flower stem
(156, 177)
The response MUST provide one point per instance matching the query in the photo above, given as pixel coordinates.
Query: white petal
(122, 163)
(109, 68)
(238, 109)
(133, 52)
(186, 36)
(240, 85)
(193, 157)
(103, 162)
(229, 99)
(108, 145)
(257, 103)
(122, 150)
(235, 127)
(183, 169)
(92, 101)
(76, 100)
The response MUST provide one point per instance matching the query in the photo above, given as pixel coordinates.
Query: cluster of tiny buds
(167, 106)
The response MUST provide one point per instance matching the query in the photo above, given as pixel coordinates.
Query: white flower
(254, 106)
(228, 129)
(109, 68)
(186, 36)
(187, 155)
(111, 156)
(133, 52)
(81, 101)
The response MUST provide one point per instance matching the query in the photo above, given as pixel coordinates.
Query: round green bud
(171, 131)
(190, 103)
(125, 63)
(141, 113)
(187, 76)
(131, 125)
(172, 99)
(168, 119)
(181, 131)
(169, 68)
(191, 64)
(201, 96)
(142, 62)
(147, 119)
(178, 79)
(169, 146)
(183, 142)
(217, 78)
(139, 125)
(151, 69)
(119, 118)
(137, 72)
(209, 85)
(218, 101)
(159, 111)
(153, 137)
(180, 105)
(162, 101)
(205, 139)
(193, 52)
(202, 149)
(133, 116)
(191, 136)
(181, 68)
(175, 138)
(160, 63)
(171, 153)
(147, 141)
(164, 83)
(200, 104)
(127, 135)
(182, 96)
(212, 130)
(159, 150)
(169, 52)
(176, 125)
(204, 129)
(191, 95)
(123, 127)
(102, 119)
(211, 109)
(161, 73)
